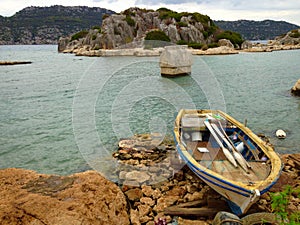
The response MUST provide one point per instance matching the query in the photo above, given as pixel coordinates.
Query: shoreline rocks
(150, 201)
(296, 88)
(9, 63)
(141, 52)
(151, 181)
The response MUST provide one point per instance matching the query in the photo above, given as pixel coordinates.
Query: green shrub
(204, 19)
(294, 34)
(165, 13)
(128, 12)
(182, 42)
(155, 39)
(163, 9)
(195, 45)
(105, 16)
(130, 21)
(235, 38)
(157, 35)
(80, 34)
(94, 37)
(96, 27)
(280, 202)
(182, 24)
(212, 29)
(213, 45)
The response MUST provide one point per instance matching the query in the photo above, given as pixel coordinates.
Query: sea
(64, 114)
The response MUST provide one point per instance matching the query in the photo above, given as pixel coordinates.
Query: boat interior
(206, 150)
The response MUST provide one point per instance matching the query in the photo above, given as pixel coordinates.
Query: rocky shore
(152, 184)
(296, 88)
(221, 50)
(10, 63)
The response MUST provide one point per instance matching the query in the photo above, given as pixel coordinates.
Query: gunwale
(262, 185)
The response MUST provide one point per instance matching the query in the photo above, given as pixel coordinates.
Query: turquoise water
(62, 113)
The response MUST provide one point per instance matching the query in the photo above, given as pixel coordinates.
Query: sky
(216, 9)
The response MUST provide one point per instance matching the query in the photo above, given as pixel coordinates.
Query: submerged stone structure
(175, 61)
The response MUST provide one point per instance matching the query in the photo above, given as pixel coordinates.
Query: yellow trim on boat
(276, 164)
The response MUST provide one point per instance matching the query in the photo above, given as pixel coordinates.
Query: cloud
(217, 9)
(229, 4)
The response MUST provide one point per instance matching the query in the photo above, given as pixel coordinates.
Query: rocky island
(141, 32)
(135, 30)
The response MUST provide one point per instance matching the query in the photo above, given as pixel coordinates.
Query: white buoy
(280, 134)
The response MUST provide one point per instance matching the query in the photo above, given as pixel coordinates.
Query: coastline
(89, 198)
(140, 52)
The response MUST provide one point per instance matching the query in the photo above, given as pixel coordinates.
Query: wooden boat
(227, 156)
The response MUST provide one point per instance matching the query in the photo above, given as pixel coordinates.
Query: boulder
(296, 89)
(246, 45)
(83, 198)
(63, 43)
(225, 42)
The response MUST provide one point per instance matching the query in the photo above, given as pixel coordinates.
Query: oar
(226, 152)
(237, 155)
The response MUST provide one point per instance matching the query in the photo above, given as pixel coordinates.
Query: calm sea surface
(62, 113)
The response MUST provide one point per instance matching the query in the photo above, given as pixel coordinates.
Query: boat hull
(240, 196)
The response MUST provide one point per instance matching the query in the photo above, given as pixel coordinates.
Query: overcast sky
(217, 9)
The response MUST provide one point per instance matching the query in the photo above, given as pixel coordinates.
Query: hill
(257, 30)
(135, 25)
(44, 25)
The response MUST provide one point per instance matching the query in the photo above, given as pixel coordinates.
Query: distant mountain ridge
(44, 25)
(257, 30)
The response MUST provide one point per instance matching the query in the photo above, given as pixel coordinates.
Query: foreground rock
(150, 201)
(86, 198)
(296, 89)
(151, 184)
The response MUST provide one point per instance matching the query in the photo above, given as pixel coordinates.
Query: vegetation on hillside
(234, 37)
(80, 34)
(295, 34)
(156, 38)
(49, 23)
(257, 30)
(209, 26)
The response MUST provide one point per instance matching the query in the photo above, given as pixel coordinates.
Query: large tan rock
(225, 42)
(222, 50)
(175, 61)
(84, 198)
(296, 89)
